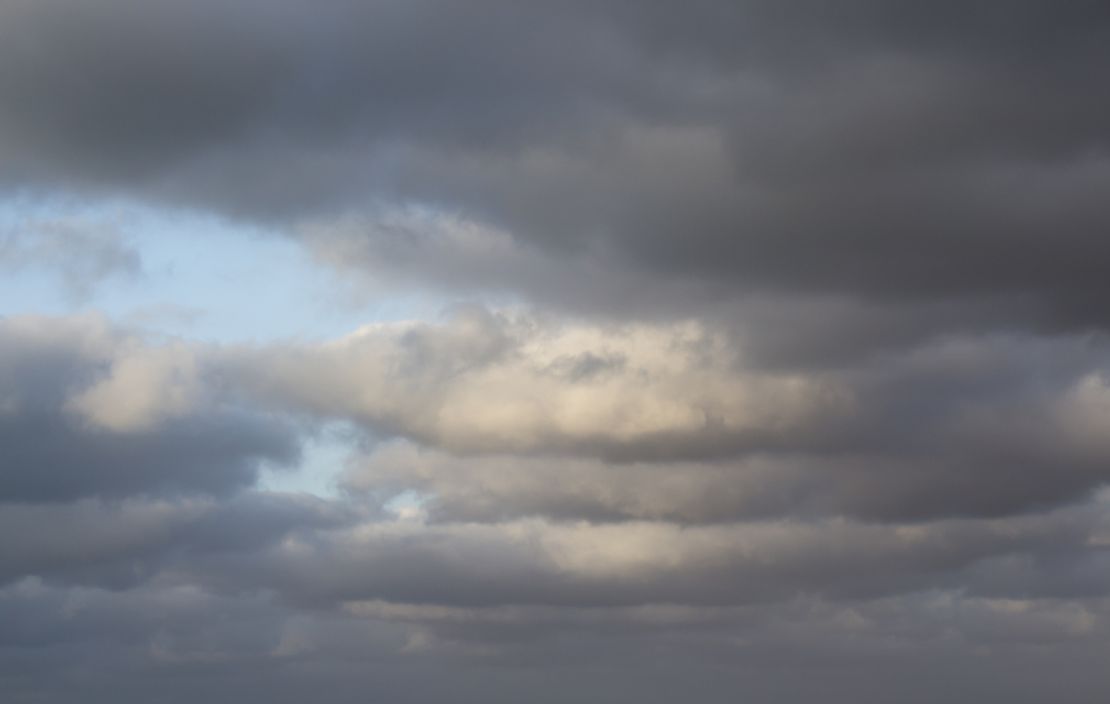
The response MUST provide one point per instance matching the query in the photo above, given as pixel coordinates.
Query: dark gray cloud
(874, 149)
(46, 458)
(537, 563)
(169, 631)
(116, 543)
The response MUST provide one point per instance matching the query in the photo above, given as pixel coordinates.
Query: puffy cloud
(498, 382)
(668, 422)
(143, 388)
(86, 410)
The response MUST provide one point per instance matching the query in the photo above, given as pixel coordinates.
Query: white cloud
(510, 382)
(145, 386)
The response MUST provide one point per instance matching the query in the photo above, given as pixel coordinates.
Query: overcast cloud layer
(772, 364)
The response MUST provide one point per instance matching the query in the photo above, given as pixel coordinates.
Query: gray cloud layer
(947, 483)
(803, 393)
(878, 149)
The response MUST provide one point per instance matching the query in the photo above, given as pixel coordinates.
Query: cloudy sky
(573, 351)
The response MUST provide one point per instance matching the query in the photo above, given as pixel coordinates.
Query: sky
(437, 351)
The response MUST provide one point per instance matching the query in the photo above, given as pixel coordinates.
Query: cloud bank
(773, 362)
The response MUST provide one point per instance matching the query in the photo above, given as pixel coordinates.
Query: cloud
(521, 414)
(86, 410)
(119, 543)
(83, 257)
(214, 601)
(506, 414)
(819, 152)
(786, 372)
(483, 381)
(143, 388)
